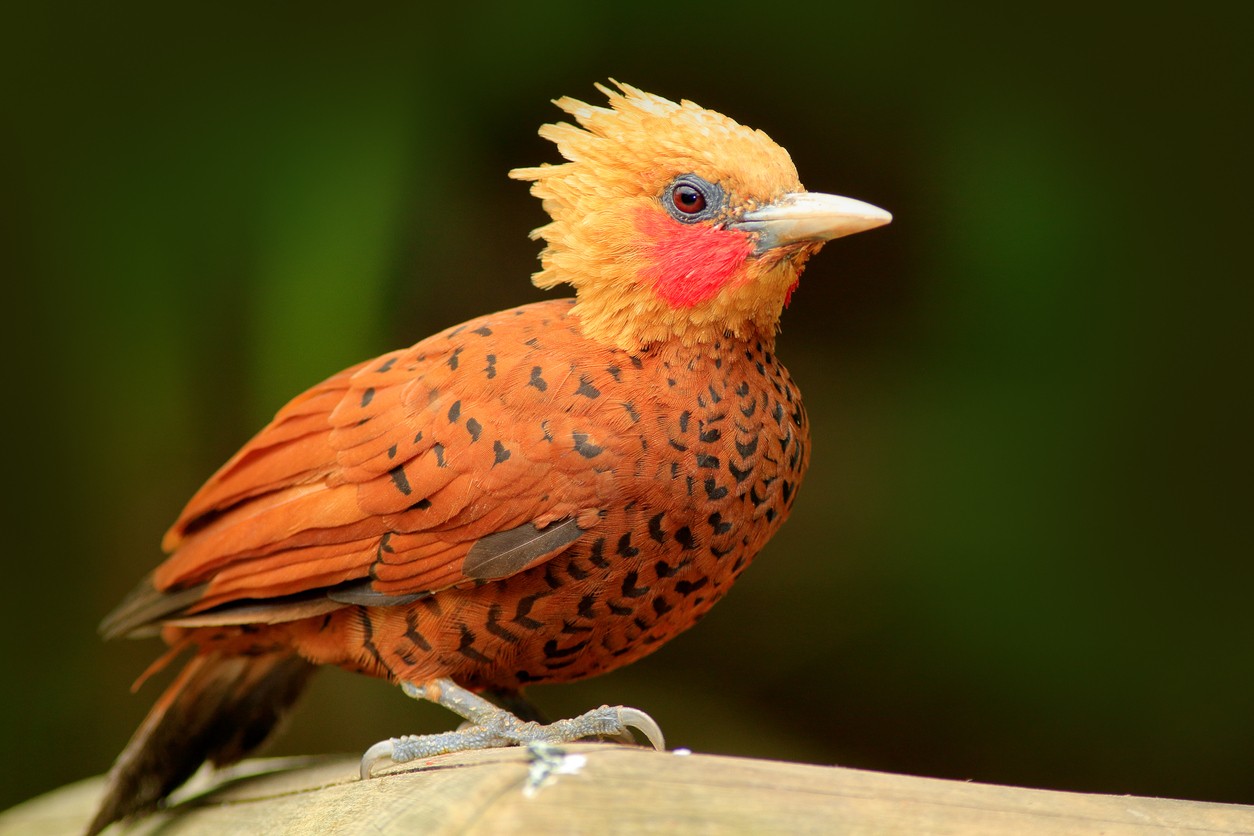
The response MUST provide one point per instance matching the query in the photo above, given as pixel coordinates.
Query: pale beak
(809, 216)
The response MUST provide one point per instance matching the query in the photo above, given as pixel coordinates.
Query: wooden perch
(605, 788)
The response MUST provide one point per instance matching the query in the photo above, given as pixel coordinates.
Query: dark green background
(1023, 552)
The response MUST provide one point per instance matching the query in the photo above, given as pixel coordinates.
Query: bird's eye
(692, 199)
(687, 199)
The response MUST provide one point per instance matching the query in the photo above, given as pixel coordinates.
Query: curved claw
(634, 718)
(381, 751)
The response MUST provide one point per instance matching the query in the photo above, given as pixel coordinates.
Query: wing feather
(426, 468)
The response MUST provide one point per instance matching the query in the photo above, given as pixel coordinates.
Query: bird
(541, 494)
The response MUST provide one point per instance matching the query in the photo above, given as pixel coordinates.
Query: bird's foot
(490, 726)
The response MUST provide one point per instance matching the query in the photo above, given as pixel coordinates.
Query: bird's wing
(466, 458)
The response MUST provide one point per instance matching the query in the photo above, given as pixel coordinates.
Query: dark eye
(692, 199)
(687, 199)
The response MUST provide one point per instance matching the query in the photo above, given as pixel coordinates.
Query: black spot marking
(619, 609)
(754, 498)
(418, 437)
(420, 505)
(706, 460)
(367, 637)
(583, 447)
(747, 450)
(549, 578)
(738, 474)
(615, 372)
(572, 629)
(664, 569)
(716, 522)
(713, 490)
(576, 571)
(715, 397)
(367, 396)
(674, 470)
(525, 604)
(685, 538)
(494, 626)
(686, 588)
(631, 411)
(630, 590)
(455, 412)
(452, 360)
(500, 453)
(786, 489)
(552, 651)
(412, 634)
(683, 448)
(474, 428)
(464, 646)
(438, 449)
(544, 428)
(483, 331)
(587, 389)
(400, 479)
(490, 369)
(534, 342)
(670, 381)
(684, 418)
(392, 452)
(625, 548)
(597, 554)
(391, 361)
(585, 608)
(710, 435)
(536, 380)
(655, 528)
(661, 606)
(720, 553)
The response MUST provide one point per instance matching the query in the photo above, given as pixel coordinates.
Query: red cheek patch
(689, 264)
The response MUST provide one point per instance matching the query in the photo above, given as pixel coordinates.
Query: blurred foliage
(1023, 553)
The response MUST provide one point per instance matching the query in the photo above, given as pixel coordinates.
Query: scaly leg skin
(491, 726)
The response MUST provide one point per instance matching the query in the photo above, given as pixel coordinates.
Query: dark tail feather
(218, 709)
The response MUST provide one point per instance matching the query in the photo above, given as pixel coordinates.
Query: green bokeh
(1023, 552)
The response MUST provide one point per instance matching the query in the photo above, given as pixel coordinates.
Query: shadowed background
(1023, 551)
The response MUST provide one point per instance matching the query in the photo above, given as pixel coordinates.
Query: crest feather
(619, 159)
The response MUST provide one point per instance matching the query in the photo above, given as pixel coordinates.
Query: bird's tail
(218, 709)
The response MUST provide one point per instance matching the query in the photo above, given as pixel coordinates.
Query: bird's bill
(809, 217)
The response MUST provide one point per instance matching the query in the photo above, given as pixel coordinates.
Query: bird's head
(673, 222)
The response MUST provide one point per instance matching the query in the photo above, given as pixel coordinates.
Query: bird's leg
(491, 726)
